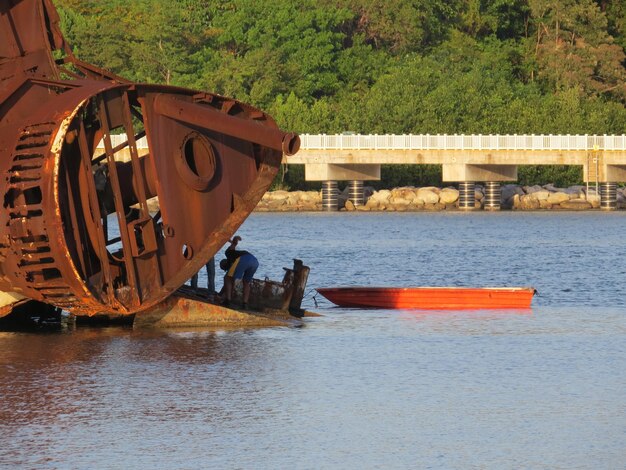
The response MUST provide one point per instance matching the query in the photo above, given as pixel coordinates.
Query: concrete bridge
(465, 159)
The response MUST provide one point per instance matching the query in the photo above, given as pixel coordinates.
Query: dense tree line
(379, 66)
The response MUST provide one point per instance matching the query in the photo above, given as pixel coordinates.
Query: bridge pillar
(467, 196)
(330, 194)
(493, 196)
(608, 196)
(355, 193)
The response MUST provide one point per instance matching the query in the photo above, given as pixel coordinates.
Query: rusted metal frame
(93, 71)
(119, 147)
(162, 210)
(138, 176)
(58, 83)
(17, 47)
(208, 117)
(70, 73)
(89, 70)
(74, 220)
(138, 115)
(53, 29)
(69, 60)
(103, 253)
(15, 87)
(117, 198)
(49, 28)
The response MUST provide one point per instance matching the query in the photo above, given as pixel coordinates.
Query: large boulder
(593, 199)
(372, 204)
(558, 198)
(406, 193)
(295, 198)
(307, 207)
(437, 206)
(276, 204)
(401, 202)
(448, 196)
(532, 189)
(427, 196)
(575, 205)
(381, 196)
(553, 189)
(279, 195)
(541, 194)
(510, 190)
(575, 192)
(310, 196)
(528, 203)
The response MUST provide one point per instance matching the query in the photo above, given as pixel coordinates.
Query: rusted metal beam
(210, 118)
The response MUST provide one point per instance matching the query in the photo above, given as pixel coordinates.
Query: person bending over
(240, 264)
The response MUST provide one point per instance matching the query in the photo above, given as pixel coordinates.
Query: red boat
(451, 298)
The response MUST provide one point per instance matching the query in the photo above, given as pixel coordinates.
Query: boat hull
(431, 298)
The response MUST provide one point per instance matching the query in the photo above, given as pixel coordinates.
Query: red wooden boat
(454, 298)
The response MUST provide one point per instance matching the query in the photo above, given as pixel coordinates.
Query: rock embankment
(514, 197)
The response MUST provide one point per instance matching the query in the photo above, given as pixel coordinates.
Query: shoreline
(433, 199)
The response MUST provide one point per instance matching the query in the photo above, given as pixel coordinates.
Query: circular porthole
(187, 252)
(196, 162)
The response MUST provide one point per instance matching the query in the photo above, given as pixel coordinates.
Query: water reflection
(44, 377)
(355, 388)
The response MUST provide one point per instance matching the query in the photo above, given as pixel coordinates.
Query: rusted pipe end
(291, 144)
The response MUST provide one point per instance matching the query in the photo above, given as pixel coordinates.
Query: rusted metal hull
(210, 160)
(271, 303)
(182, 311)
(284, 296)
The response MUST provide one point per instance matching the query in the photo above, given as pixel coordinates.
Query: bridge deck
(463, 157)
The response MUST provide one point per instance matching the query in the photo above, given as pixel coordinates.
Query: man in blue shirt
(239, 264)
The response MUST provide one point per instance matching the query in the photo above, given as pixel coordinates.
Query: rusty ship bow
(76, 231)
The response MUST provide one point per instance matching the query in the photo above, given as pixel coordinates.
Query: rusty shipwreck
(209, 161)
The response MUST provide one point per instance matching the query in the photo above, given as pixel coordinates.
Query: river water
(362, 389)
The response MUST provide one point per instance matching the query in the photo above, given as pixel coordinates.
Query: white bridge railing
(447, 142)
(463, 142)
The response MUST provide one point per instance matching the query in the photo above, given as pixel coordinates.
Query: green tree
(160, 41)
(572, 48)
(616, 17)
(401, 26)
(97, 32)
(504, 18)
